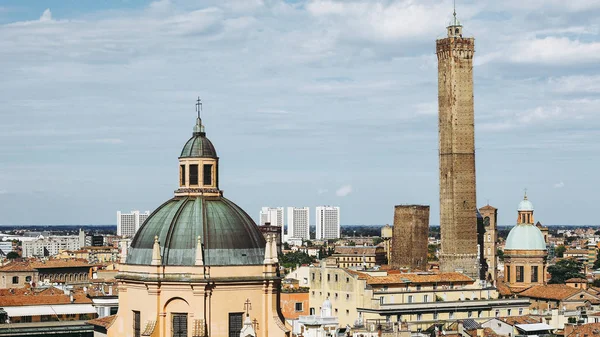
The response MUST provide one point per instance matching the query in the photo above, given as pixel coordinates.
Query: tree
(500, 254)
(596, 264)
(12, 255)
(564, 270)
(286, 246)
(377, 241)
(351, 243)
(559, 251)
(295, 258)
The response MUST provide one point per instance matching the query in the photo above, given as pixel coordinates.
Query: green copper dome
(198, 146)
(229, 235)
(525, 237)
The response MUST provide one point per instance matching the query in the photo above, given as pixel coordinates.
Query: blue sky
(307, 102)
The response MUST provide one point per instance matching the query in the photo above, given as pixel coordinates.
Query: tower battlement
(462, 47)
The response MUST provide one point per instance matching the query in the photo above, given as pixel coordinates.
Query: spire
(525, 196)
(455, 23)
(156, 259)
(199, 252)
(454, 28)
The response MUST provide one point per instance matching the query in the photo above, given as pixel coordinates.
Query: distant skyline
(307, 102)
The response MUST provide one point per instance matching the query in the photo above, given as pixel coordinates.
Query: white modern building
(50, 246)
(297, 223)
(327, 222)
(274, 215)
(129, 223)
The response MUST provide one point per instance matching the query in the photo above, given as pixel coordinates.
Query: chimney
(71, 297)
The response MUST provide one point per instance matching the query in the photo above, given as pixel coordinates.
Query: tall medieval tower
(458, 209)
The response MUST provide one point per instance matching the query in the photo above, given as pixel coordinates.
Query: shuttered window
(180, 325)
(194, 174)
(235, 324)
(136, 324)
(207, 175)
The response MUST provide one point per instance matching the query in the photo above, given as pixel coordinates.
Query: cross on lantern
(255, 324)
(198, 106)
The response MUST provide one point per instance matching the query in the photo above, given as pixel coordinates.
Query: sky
(308, 103)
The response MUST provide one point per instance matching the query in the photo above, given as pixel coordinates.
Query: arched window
(15, 280)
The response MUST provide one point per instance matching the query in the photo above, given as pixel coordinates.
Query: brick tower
(458, 209)
(409, 243)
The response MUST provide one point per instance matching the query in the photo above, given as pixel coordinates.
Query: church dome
(198, 215)
(525, 237)
(229, 235)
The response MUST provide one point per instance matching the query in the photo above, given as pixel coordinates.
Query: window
(419, 317)
(435, 315)
(469, 314)
(328, 277)
(519, 272)
(311, 311)
(410, 298)
(194, 177)
(136, 324)
(298, 306)
(15, 280)
(347, 280)
(451, 315)
(425, 298)
(520, 311)
(336, 295)
(534, 273)
(27, 278)
(347, 297)
(180, 325)
(182, 175)
(235, 324)
(508, 311)
(313, 293)
(347, 312)
(313, 276)
(207, 174)
(419, 287)
(336, 278)
(497, 314)
(508, 274)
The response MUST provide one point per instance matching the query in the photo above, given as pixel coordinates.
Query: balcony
(315, 320)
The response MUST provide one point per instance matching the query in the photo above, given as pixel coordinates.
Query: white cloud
(575, 84)
(46, 16)
(555, 50)
(559, 185)
(322, 191)
(344, 191)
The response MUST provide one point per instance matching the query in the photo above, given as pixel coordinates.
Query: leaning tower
(458, 209)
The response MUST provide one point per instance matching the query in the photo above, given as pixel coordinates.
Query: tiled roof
(355, 250)
(488, 207)
(550, 292)
(44, 297)
(586, 330)
(419, 278)
(104, 322)
(503, 289)
(577, 251)
(576, 280)
(512, 320)
(488, 332)
(31, 265)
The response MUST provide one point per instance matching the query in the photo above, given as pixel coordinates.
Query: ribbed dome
(525, 237)
(229, 235)
(198, 147)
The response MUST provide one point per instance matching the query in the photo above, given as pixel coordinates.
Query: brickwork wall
(458, 207)
(490, 241)
(411, 229)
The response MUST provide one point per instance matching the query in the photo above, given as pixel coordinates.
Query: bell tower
(458, 209)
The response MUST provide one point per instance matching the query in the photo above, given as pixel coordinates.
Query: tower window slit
(194, 174)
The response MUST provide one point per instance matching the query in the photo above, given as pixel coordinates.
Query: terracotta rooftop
(512, 320)
(488, 207)
(419, 278)
(576, 280)
(586, 330)
(550, 292)
(355, 250)
(576, 251)
(104, 322)
(31, 265)
(488, 332)
(46, 296)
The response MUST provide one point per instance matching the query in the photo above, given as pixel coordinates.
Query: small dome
(525, 205)
(229, 235)
(198, 147)
(326, 304)
(525, 237)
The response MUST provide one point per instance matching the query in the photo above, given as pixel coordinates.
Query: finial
(199, 252)
(525, 197)
(156, 238)
(247, 307)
